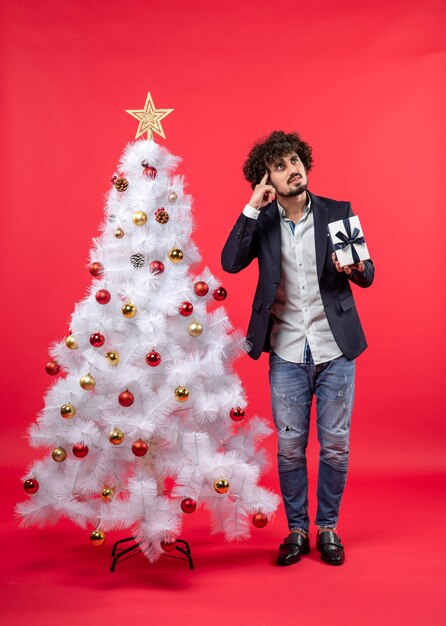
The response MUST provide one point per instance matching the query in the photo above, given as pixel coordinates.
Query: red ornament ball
(103, 296)
(156, 267)
(153, 358)
(169, 546)
(80, 450)
(188, 505)
(97, 340)
(219, 294)
(31, 485)
(259, 520)
(237, 414)
(126, 398)
(150, 171)
(52, 367)
(96, 269)
(201, 288)
(140, 447)
(186, 309)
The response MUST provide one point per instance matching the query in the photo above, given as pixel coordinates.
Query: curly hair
(277, 144)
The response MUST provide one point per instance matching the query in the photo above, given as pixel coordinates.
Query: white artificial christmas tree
(148, 391)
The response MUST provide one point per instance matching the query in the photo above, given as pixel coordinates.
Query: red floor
(392, 527)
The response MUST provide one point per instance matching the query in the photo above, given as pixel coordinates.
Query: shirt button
(268, 306)
(276, 284)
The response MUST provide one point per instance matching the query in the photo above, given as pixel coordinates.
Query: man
(304, 315)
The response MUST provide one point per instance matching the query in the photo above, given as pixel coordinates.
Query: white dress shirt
(298, 312)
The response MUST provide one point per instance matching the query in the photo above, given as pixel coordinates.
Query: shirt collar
(282, 211)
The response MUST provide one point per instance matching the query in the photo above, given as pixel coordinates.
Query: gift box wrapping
(348, 241)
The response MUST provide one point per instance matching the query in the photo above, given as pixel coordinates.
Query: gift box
(348, 241)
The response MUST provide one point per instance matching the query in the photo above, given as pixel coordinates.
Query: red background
(364, 85)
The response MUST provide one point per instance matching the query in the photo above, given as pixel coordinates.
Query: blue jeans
(292, 388)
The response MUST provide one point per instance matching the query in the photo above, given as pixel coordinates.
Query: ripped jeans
(292, 388)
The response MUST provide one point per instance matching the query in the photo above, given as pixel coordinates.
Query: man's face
(287, 175)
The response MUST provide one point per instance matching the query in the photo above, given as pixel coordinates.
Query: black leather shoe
(329, 545)
(292, 549)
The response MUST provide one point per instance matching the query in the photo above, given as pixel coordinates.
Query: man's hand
(263, 194)
(347, 268)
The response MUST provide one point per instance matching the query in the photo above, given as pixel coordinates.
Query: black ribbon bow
(350, 239)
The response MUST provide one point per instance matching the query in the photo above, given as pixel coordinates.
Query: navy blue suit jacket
(261, 239)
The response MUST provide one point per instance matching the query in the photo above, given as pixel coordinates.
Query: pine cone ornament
(137, 260)
(121, 184)
(161, 216)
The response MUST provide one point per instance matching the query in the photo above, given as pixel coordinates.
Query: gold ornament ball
(139, 218)
(119, 233)
(128, 310)
(116, 436)
(113, 357)
(67, 411)
(181, 394)
(195, 329)
(176, 255)
(221, 485)
(70, 342)
(87, 382)
(97, 537)
(107, 494)
(172, 196)
(59, 454)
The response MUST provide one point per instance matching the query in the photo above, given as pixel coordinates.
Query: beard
(294, 192)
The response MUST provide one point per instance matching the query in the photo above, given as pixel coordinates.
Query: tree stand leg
(120, 554)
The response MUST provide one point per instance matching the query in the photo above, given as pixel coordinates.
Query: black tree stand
(120, 554)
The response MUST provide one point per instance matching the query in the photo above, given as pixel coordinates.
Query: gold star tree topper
(149, 119)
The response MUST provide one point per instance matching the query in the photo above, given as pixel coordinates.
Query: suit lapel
(271, 222)
(321, 217)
